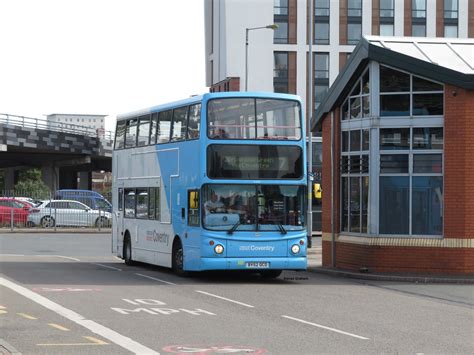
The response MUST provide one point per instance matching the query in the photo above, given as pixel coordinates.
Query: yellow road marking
(94, 341)
(27, 316)
(3, 307)
(57, 326)
(2, 311)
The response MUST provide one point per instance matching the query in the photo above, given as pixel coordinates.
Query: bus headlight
(219, 249)
(295, 249)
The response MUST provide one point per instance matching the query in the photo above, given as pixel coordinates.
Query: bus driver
(214, 205)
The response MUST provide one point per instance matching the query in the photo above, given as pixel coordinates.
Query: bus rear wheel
(127, 251)
(270, 274)
(178, 258)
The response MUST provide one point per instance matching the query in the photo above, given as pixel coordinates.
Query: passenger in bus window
(214, 204)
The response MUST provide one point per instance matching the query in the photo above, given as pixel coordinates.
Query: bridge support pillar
(85, 180)
(9, 176)
(49, 175)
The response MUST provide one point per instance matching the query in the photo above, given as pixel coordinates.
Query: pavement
(315, 265)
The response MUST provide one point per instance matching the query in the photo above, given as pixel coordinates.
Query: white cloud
(99, 57)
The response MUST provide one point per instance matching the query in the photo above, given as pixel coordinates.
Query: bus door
(117, 223)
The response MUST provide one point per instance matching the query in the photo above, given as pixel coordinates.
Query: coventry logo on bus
(156, 237)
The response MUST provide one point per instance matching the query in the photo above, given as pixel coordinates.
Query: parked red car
(21, 210)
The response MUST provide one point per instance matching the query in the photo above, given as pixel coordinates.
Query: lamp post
(247, 30)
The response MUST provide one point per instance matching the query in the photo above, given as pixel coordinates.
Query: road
(66, 293)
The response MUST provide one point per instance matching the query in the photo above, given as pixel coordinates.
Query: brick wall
(459, 163)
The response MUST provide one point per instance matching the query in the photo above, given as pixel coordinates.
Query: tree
(31, 185)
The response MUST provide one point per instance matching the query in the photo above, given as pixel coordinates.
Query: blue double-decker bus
(213, 182)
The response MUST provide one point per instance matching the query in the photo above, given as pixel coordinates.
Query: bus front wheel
(178, 258)
(127, 251)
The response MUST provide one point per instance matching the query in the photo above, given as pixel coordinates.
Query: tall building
(276, 60)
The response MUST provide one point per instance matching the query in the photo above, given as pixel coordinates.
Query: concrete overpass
(62, 151)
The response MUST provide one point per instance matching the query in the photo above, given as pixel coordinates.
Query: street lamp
(270, 27)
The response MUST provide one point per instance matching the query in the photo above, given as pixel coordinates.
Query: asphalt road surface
(66, 294)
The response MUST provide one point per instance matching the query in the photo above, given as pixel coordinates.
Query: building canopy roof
(446, 60)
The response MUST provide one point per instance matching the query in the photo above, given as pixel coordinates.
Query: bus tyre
(178, 258)
(270, 274)
(127, 251)
(47, 222)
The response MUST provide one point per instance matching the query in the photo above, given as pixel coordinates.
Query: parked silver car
(68, 213)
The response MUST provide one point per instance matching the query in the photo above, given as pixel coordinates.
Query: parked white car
(68, 213)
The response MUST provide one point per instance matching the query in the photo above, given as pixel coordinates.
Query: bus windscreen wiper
(234, 227)
(281, 228)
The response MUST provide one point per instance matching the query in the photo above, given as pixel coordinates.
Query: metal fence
(50, 211)
(36, 123)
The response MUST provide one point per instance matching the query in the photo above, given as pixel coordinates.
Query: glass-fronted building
(398, 173)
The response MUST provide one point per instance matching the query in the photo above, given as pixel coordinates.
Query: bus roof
(207, 96)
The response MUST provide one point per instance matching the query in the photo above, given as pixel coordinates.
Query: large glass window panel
(321, 65)
(427, 104)
(419, 8)
(143, 131)
(280, 7)
(428, 138)
(364, 162)
(394, 164)
(365, 83)
(420, 84)
(345, 204)
(180, 119)
(355, 140)
(321, 7)
(394, 105)
(354, 8)
(356, 110)
(427, 163)
(164, 126)
(345, 110)
(392, 80)
(418, 30)
(344, 164)
(450, 9)
(280, 65)
(194, 121)
(451, 31)
(151, 203)
(386, 8)
(394, 138)
(280, 35)
(120, 135)
(427, 205)
(394, 205)
(345, 141)
(386, 29)
(355, 164)
(280, 87)
(365, 139)
(321, 32)
(131, 133)
(355, 204)
(354, 32)
(364, 204)
(366, 106)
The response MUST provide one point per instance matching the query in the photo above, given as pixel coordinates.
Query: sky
(99, 56)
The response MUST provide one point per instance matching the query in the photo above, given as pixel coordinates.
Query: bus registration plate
(257, 264)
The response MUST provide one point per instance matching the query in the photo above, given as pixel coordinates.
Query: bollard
(11, 219)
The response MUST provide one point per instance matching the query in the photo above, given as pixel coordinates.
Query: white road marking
(154, 278)
(108, 267)
(57, 256)
(327, 328)
(12, 254)
(94, 327)
(225, 299)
